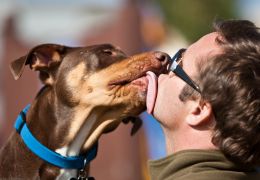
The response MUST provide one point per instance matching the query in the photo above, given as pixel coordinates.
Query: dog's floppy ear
(41, 58)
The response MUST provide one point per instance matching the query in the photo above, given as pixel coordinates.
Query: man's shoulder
(221, 175)
(200, 165)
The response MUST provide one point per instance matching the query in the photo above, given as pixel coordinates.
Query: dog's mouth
(139, 80)
(133, 71)
(146, 83)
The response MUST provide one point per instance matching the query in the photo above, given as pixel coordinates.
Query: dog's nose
(162, 57)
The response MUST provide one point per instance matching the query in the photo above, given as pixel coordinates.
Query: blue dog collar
(67, 162)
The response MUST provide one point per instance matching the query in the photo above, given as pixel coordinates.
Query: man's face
(168, 109)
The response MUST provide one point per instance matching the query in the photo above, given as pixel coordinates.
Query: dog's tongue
(151, 91)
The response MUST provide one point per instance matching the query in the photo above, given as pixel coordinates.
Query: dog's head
(97, 79)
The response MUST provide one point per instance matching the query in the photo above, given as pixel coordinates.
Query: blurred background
(135, 26)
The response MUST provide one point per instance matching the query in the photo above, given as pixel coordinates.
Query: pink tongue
(151, 91)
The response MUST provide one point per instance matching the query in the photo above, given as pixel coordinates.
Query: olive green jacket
(199, 165)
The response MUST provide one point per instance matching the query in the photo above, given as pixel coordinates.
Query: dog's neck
(21, 162)
(56, 127)
(75, 146)
(66, 126)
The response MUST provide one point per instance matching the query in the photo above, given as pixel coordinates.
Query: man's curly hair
(230, 82)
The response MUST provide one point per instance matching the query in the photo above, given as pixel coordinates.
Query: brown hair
(231, 83)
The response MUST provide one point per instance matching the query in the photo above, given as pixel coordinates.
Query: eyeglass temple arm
(179, 72)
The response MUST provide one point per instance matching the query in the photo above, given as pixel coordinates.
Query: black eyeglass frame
(177, 69)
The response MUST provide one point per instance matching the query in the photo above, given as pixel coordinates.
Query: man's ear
(41, 58)
(200, 113)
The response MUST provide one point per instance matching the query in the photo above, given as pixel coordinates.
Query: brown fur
(87, 92)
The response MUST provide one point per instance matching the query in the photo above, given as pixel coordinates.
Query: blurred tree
(194, 18)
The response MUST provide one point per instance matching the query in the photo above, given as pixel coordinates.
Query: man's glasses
(177, 69)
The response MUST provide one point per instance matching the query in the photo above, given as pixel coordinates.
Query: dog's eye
(108, 52)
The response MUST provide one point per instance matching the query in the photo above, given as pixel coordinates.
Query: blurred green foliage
(194, 18)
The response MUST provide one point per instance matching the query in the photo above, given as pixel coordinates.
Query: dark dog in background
(87, 91)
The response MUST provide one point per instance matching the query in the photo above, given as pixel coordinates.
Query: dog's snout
(162, 57)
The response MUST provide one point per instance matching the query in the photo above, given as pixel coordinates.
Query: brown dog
(87, 91)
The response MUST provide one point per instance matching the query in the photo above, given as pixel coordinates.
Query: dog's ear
(41, 58)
